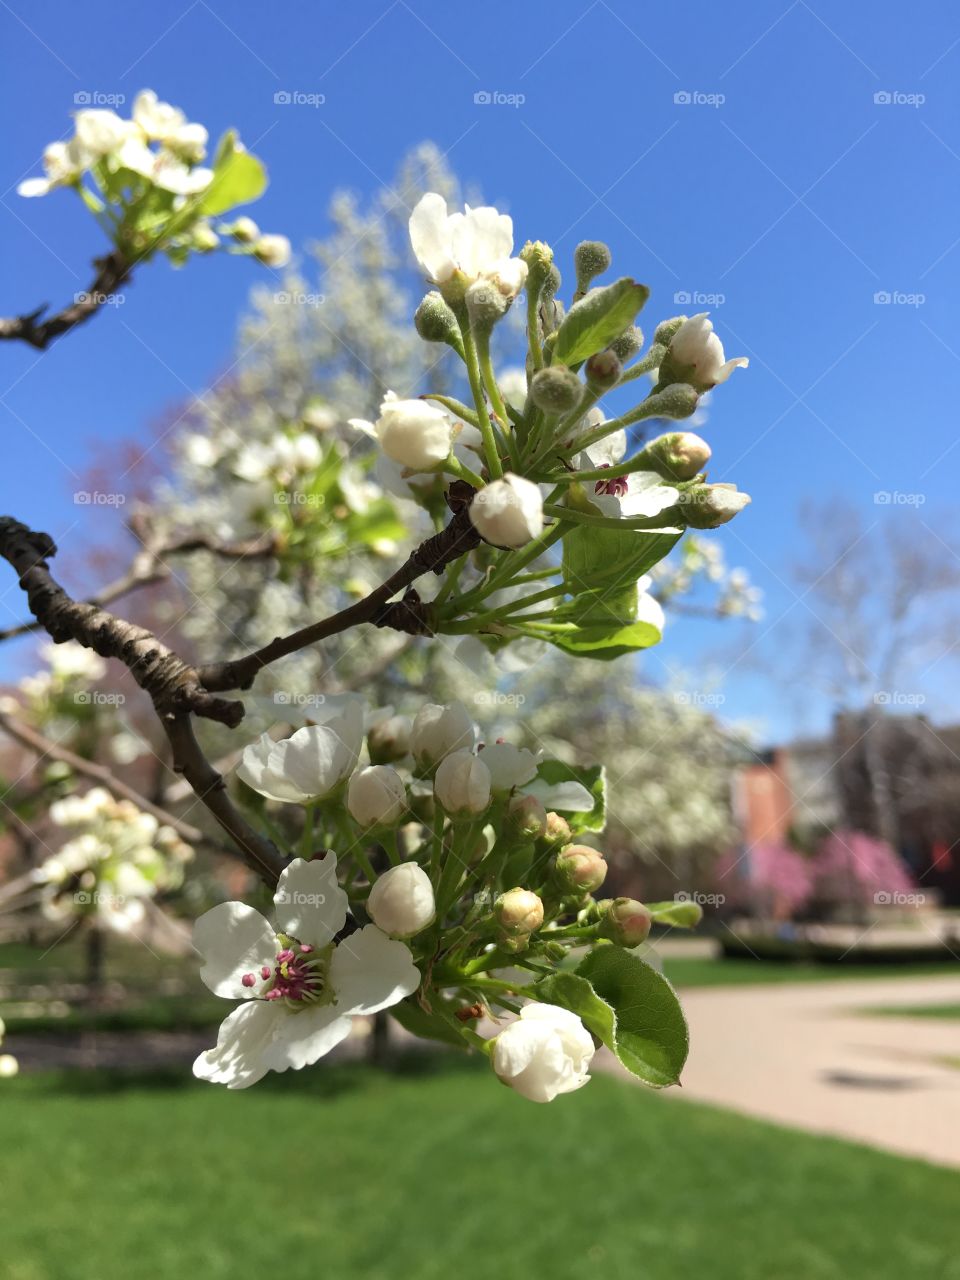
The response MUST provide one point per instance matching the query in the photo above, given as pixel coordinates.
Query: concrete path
(806, 1055)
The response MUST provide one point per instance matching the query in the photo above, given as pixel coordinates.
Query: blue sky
(796, 160)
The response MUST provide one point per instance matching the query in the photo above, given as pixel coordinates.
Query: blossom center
(616, 488)
(298, 975)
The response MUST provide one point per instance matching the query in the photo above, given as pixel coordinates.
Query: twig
(113, 270)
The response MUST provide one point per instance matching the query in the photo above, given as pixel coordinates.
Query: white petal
(646, 496)
(570, 797)
(240, 1057)
(369, 972)
(310, 905)
(305, 1036)
(509, 766)
(430, 236)
(34, 187)
(232, 939)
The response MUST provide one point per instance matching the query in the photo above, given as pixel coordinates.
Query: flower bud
(625, 921)
(272, 251)
(518, 912)
(508, 512)
(401, 902)
(439, 729)
(558, 831)
(462, 784)
(435, 321)
(628, 344)
(677, 455)
(696, 356)
(580, 869)
(527, 817)
(245, 230)
(663, 334)
(204, 238)
(9, 1066)
(556, 389)
(539, 259)
(590, 259)
(603, 370)
(674, 400)
(707, 506)
(389, 739)
(376, 796)
(551, 283)
(415, 434)
(486, 304)
(546, 1052)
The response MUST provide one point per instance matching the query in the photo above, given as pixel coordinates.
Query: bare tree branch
(113, 270)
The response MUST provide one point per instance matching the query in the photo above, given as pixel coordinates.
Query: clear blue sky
(783, 186)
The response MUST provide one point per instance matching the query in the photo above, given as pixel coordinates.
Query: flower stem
(491, 453)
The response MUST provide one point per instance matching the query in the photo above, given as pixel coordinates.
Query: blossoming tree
(452, 881)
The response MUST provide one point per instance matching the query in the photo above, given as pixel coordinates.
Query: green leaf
(594, 322)
(651, 1038)
(682, 915)
(238, 177)
(572, 992)
(607, 641)
(554, 772)
(427, 1026)
(612, 559)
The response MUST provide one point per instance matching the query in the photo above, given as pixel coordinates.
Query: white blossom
(438, 729)
(168, 125)
(401, 901)
(478, 243)
(508, 512)
(376, 796)
(63, 163)
(412, 433)
(696, 344)
(546, 1052)
(310, 764)
(462, 784)
(301, 990)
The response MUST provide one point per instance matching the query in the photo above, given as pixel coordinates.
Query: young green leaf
(593, 322)
(238, 178)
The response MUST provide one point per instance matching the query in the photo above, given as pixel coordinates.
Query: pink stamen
(618, 487)
(265, 972)
(248, 979)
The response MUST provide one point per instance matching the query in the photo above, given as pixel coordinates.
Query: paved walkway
(805, 1055)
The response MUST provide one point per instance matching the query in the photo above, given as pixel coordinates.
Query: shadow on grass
(320, 1081)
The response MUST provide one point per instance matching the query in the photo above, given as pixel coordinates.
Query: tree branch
(113, 270)
(408, 614)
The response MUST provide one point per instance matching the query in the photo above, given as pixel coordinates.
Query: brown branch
(172, 683)
(37, 742)
(258, 852)
(410, 614)
(113, 270)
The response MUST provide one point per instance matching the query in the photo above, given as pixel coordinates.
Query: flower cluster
(145, 181)
(118, 858)
(455, 886)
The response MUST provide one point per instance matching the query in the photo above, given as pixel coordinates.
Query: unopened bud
(518, 912)
(678, 400)
(603, 370)
(663, 334)
(677, 455)
(590, 259)
(272, 251)
(628, 344)
(204, 238)
(434, 320)
(558, 831)
(539, 259)
(625, 921)
(580, 869)
(551, 283)
(245, 230)
(556, 389)
(389, 740)
(485, 304)
(527, 817)
(707, 506)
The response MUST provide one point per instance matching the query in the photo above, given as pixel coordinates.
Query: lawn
(439, 1171)
(696, 971)
(915, 1011)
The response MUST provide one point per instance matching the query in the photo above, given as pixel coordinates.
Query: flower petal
(430, 237)
(310, 905)
(303, 1037)
(232, 939)
(240, 1057)
(369, 972)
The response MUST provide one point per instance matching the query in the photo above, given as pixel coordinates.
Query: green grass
(915, 1011)
(440, 1172)
(694, 971)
